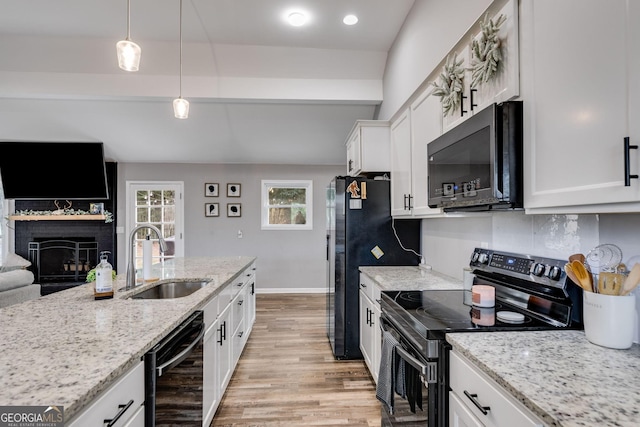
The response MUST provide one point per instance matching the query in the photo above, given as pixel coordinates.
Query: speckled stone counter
(66, 348)
(559, 375)
(410, 278)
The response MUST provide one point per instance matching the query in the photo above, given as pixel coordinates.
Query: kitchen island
(66, 348)
(559, 375)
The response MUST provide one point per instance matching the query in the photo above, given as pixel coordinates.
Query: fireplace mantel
(57, 217)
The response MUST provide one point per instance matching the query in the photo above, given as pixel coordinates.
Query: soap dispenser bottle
(104, 278)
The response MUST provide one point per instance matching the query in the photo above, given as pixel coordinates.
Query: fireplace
(62, 259)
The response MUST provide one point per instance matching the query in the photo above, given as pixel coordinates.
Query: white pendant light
(181, 105)
(128, 51)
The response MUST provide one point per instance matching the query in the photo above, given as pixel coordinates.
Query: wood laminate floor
(287, 375)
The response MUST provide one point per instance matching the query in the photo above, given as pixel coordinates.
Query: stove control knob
(538, 269)
(483, 258)
(555, 272)
(474, 257)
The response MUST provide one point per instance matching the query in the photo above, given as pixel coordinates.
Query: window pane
(287, 196)
(142, 198)
(169, 197)
(155, 198)
(142, 215)
(169, 214)
(156, 215)
(280, 216)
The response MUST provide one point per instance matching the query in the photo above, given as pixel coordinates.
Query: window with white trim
(287, 205)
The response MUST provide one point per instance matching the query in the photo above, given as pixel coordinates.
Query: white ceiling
(260, 90)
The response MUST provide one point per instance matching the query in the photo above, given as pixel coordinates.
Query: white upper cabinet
(411, 131)
(501, 86)
(367, 147)
(401, 194)
(426, 125)
(581, 99)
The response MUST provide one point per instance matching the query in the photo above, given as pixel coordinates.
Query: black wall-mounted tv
(53, 170)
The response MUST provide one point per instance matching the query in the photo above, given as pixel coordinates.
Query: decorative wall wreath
(486, 54)
(450, 85)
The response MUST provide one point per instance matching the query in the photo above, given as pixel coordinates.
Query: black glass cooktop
(435, 312)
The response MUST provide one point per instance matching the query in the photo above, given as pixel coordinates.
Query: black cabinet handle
(350, 165)
(473, 397)
(462, 110)
(240, 302)
(472, 92)
(223, 332)
(627, 162)
(407, 202)
(123, 409)
(362, 285)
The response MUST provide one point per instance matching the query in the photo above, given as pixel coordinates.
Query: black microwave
(477, 165)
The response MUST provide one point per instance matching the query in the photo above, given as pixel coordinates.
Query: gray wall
(288, 261)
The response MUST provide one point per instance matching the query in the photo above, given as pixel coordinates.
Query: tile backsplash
(448, 242)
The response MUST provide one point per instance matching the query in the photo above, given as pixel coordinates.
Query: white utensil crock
(609, 320)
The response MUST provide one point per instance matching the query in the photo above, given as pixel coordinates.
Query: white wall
(288, 261)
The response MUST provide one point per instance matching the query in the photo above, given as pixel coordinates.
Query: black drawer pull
(123, 409)
(473, 397)
(627, 162)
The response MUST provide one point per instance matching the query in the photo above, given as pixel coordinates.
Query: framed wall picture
(96, 208)
(233, 190)
(211, 189)
(234, 209)
(211, 209)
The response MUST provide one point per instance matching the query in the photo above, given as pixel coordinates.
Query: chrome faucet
(131, 268)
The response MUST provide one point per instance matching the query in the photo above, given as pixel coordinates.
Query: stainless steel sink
(174, 289)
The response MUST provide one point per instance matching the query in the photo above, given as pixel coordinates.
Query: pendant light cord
(129, 19)
(180, 48)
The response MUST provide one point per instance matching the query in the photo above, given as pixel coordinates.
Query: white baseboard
(291, 291)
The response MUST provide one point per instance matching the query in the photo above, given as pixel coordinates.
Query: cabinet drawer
(370, 288)
(126, 389)
(504, 410)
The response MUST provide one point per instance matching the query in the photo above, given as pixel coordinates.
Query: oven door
(425, 411)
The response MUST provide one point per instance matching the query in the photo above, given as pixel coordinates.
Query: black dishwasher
(174, 374)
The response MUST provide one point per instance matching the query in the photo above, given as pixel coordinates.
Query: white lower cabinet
(226, 335)
(370, 332)
(477, 400)
(122, 403)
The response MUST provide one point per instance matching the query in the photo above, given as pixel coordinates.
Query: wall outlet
(239, 234)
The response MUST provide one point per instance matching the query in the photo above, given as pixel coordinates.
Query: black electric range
(531, 293)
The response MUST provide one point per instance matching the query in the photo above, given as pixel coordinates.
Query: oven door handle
(178, 358)
(424, 370)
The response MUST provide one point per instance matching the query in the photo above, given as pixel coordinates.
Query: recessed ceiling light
(297, 19)
(350, 20)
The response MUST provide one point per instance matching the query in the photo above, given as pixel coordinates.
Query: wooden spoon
(632, 280)
(571, 275)
(584, 277)
(578, 257)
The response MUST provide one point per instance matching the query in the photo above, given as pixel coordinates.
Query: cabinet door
(426, 125)
(376, 341)
(401, 196)
(464, 110)
(223, 345)
(575, 90)
(505, 84)
(209, 375)
(353, 154)
(366, 338)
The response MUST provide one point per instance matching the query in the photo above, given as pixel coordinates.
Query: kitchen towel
(386, 373)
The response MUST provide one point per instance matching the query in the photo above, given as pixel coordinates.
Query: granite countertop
(66, 348)
(559, 375)
(410, 278)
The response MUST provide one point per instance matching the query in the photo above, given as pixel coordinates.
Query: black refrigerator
(360, 232)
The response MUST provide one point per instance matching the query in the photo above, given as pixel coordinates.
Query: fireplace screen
(63, 260)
